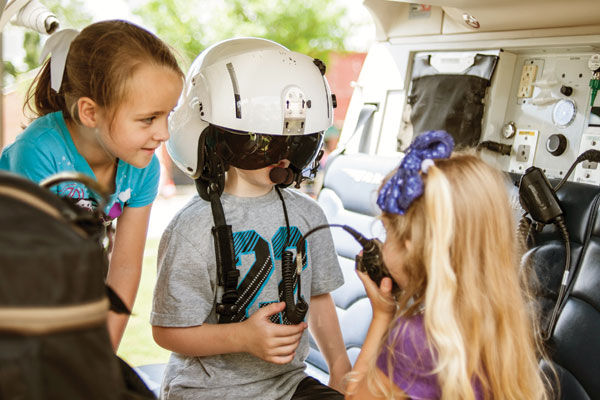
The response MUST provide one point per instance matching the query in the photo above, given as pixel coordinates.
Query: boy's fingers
(282, 359)
(287, 340)
(272, 308)
(267, 311)
(289, 330)
(285, 350)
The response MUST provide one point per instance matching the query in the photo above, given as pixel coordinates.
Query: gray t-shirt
(185, 293)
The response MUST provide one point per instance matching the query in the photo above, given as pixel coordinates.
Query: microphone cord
(563, 292)
(295, 311)
(588, 155)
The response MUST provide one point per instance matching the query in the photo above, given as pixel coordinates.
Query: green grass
(137, 346)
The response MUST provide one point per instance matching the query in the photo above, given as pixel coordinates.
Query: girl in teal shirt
(102, 101)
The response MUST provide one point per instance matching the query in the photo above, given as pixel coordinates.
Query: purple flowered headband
(406, 185)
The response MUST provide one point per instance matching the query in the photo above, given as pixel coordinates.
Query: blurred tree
(182, 24)
(312, 27)
(31, 44)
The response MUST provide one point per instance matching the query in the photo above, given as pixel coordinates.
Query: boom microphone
(281, 176)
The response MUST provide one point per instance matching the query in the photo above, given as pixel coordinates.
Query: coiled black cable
(295, 311)
(524, 229)
(371, 260)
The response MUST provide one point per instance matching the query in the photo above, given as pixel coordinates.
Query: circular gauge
(564, 113)
(509, 130)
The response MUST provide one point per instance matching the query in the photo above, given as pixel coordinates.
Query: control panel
(526, 92)
(549, 116)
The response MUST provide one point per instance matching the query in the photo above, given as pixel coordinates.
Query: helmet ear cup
(282, 176)
(212, 167)
(185, 129)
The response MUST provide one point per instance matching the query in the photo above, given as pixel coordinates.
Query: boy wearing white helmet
(229, 302)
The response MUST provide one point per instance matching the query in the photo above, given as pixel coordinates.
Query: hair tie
(406, 185)
(426, 164)
(58, 45)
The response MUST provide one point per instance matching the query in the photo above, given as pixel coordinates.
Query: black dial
(556, 144)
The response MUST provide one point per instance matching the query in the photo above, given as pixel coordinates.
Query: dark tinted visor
(247, 150)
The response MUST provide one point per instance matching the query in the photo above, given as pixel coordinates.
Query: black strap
(227, 273)
(210, 184)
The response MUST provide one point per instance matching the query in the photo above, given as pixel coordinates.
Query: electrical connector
(501, 148)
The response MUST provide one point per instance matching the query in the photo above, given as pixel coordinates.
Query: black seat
(574, 346)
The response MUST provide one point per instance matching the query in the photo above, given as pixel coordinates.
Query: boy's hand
(271, 342)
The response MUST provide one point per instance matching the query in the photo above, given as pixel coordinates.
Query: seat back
(574, 347)
(348, 197)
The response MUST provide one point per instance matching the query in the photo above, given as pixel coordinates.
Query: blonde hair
(462, 268)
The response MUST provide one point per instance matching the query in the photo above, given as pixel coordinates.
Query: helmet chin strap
(210, 184)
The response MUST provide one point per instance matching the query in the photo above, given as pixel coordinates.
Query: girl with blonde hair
(460, 326)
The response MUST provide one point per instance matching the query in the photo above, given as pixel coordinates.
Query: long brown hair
(101, 60)
(463, 270)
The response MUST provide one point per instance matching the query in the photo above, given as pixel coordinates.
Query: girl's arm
(324, 326)
(362, 391)
(126, 264)
(384, 309)
(357, 384)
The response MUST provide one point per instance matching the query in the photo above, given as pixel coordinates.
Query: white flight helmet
(257, 101)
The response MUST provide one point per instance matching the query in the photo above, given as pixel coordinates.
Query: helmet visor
(246, 150)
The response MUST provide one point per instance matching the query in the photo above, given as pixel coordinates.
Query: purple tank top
(412, 361)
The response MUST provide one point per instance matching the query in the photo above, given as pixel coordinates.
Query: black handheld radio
(371, 259)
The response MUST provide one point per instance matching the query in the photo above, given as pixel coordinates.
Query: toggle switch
(566, 90)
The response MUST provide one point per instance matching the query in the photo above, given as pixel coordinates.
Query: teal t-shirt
(45, 148)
